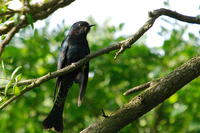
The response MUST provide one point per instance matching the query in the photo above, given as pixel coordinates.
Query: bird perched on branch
(73, 48)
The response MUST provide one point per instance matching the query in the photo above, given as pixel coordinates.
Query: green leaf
(7, 86)
(5, 18)
(16, 18)
(16, 90)
(30, 20)
(18, 77)
(3, 37)
(121, 26)
(5, 8)
(7, 2)
(4, 70)
(166, 3)
(179, 110)
(15, 71)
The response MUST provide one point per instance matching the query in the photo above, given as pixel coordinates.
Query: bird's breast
(77, 52)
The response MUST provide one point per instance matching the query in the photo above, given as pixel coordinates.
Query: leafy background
(37, 51)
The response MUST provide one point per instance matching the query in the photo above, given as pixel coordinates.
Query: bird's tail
(55, 117)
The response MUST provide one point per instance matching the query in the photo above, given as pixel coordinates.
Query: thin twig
(7, 94)
(142, 87)
(152, 17)
(21, 83)
(137, 88)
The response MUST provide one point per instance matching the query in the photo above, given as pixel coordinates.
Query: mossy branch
(158, 92)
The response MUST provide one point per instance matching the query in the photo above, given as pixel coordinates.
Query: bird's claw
(73, 64)
(103, 114)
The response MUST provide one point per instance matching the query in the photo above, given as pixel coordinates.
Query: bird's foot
(73, 64)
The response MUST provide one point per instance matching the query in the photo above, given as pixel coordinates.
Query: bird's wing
(62, 55)
(61, 61)
(82, 79)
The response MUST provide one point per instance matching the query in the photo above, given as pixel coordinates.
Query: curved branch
(152, 17)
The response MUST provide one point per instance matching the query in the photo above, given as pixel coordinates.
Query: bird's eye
(80, 24)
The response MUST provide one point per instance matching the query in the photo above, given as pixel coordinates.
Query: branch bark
(145, 101)
(38, 11)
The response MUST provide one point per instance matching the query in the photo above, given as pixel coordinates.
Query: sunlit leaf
(4, 70)
(7, 86)
(121, 26)
(173, 98)
(5, 8)
(7, 2)
(3, 37)
(18, 77)
(16, 18)
(15, 71)
(16, 90)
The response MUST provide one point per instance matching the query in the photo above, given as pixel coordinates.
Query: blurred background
(167, 45)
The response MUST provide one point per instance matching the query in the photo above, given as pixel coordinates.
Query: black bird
(73, 48)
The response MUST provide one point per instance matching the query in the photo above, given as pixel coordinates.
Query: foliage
(37, 51)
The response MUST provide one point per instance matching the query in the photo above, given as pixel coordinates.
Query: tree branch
(152, 17)
(38, 11)
(148, 99)
(137, 88)
(25, 82)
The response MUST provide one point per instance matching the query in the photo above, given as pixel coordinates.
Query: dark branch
(148, 99)
(103, 113)
(38, 11)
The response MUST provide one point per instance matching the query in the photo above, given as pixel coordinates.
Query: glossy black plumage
(73, 48)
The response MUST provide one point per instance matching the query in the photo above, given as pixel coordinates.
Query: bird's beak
(91, 25)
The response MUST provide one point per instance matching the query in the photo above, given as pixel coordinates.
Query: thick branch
(147, 100)
(38, 11)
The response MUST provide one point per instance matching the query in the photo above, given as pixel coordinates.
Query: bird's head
(80, 28)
